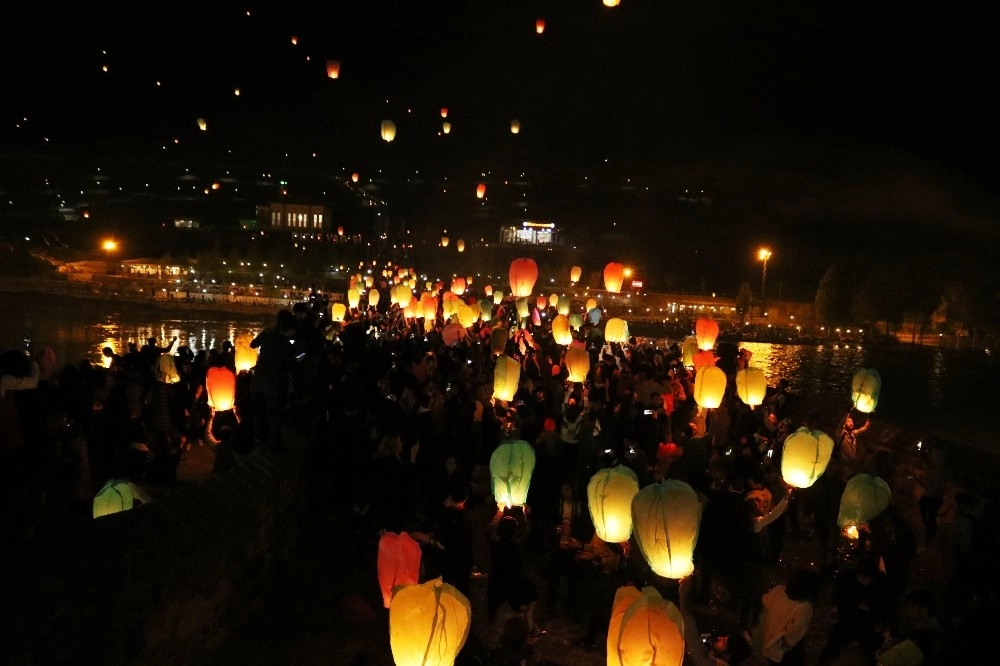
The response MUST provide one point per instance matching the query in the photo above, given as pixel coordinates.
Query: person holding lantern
(847, 446)
(270, 381)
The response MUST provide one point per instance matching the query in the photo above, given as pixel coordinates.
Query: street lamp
(763, 255)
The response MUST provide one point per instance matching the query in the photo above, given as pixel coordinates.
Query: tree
(744, 301)
(832, 298)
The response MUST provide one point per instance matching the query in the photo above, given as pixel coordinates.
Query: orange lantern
(523, 274)
(575, 273)
(709, 387)
(703, 359)
(645, 630)
(444, 112)
(541, 302)
(481, 190)
(751, 386)
(616, 330)
(561, 332)
(458, 286)
(665, 521)
(333, 69)
(355, 176)
(444, 241)
(614, 277)
(428, 624)
(450, 303)
(506, 377)
(577, 363)
(428, 307)
(398, 563)
(460, 245)
(515, 126)
(246, 356)
(706, 331)
(220, 384)
(295, 40)
(540, 26)
(467, 315)
(591, 304)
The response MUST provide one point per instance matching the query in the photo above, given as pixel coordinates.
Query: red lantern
(706, 331)
(221, 386)
(398, 563)
(540, 26)
(481, 190)
(704, 359)
(614, 277)
(523, 274)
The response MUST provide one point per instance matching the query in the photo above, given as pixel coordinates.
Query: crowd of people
(416, 421)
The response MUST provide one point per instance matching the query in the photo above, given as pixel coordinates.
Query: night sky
(795, 117)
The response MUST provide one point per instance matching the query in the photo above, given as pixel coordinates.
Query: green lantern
(511, 466)
(864, 498)
(115, 496)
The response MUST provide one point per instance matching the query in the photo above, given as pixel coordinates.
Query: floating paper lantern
(402, 294)
(540, 26)
(446, 128)
(412, 309)
(561, 333)
(553, 301)
(614, 277)
(398, 563)
(865, 388)
(467, 315)
(458, 285)
(388, 130)
(523, 274)
(536, 318)
(709, 387)
(355, 177)
(612, 3)
(444, 241)
(485, 309)
(706, 331)
(515, 126)
(805, 456)
(689, 348)
(428, 307)
(576, 321)
(506, 376)
(167, 369)
(369, 281)
(220, 384)
(333, 69)
(575, 273)
(665, 519)
(563, 305)
(428, 624)
(523, 309)
(246, 357)
(353, 298)
(609, 498)
(113, 497)
(864, 498)
(337, 312)
(450, 303)
(202, 125)
(498, 340)
(645, 630)
(460, 245)
(373, 298)
(295, 40)
(488, 290)
(751, 386)
(704, 359)
(444, 112)
(577, 363)
(541, 302)
(497, 297)
(481, 190)
(511, 466)
(616, 330)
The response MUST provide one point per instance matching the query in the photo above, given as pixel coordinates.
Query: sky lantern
(865, 388)
(428, 624)
(612, 3)
(645, 629)
(864, 498)
(576, 321)
(704, 359)
(295, 40)
(337, 312)
(458, 286)
(706, 331)
(536, 317)
(561, 332)
(220, 384)
(355, 177)
(412, 309)
(575, 274)
(246, 357)
(445, 241)
(609, 498)
(333, 69)
(497, 297)
(340, 231)
(167, 369)
(388, 130)
(563, 305)
(614, 277)
(449, 304)
(506, 376)
(114, 496)
(373, 298)
(498, 340)
(665, 520)
(353, 298)
(460, 245)
(511, 466)
(515, 126)
(480, 190)
(488, 290)
(444, 112)
(403, 295)
(523, 274)
(398, 563)
(467, 315)
(446, 128)
(428, 307)
(541, 302)
(577, 363)
(616, 330)
(805, 456)
(540, 26)
(751, 386)
(591, 304)
(688, 350)
(594, 315)
(553, 300)
(202, 124)
(709, 386)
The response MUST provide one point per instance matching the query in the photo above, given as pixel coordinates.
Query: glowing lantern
(398, 563)
(553, 300)
(369, 281)
(536, 318)
(412, 309)
(337, 312)
(614, 277)
(444, 112)
(865, 388)
(709, 387)
(450, 304)
(609, 498)
(591, 304)
(485, 309)
(511, 466)
(401, 295)
(355, 176)
(612, 3)
(497, 297)
(805, 456)
(446, 128)
(295, 40)
(246, 357)
(506, 376)
(458, 286)
(562, 305)
(665, 519)
(645, 629)
(542, 302)
(167, 368)
(202, 125)
(498, 340)
(706, 331)
(864, 498)
(340, 231)
(540, 26)
(575, 273)
(373, 298)
(113, 497)
(333, 69)
(577, 364)
(576, 321)
(481, 190)
(515, 126)
(353, 298)
(488, 290)
(561, 332)
(523, 274)
(616, 330)
(688, 350)
(220, 384)
(467, 316)
(460, 245)
(704, 359)
(388, 130)
(444, 241)
(428, 307)
(428, 624)
(751, 386)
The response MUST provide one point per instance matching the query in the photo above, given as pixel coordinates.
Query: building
(531, 233)
(294, 217)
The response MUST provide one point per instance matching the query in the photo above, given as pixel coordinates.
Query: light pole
(763, 255)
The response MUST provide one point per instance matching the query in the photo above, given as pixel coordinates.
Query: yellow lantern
(246, 357)
(523, 274)
(709, 386)
(523, 311)
(113, 497)
(665, 519)
(353, 298)
(373, 298)
(506, 376)
(337, 312)
(645, 630)
(616, 330)
(460, 245)
(515, 126)
(805, 456)
(497, 297)
(498, 340)
(446, 128)
(864, 498)
(614, 277)
(481, 190)
(167, 369)
(428, 624)
(609, 498)
(333, 69)
(561, 332)
(553, 300)
(577, 364)
(540, 26)
(688, 350)
(706, 331)
(865, 388)
(220, 384)
(388, 130)
(202, 125)
(467, 315)
(398, 563)
(574, 274)
(751, 386)
(369, 281)
(458, 285)
(402, 294)
(511, 466)
(444, 241)
(591, 304)
(412, 309)
(450, 303)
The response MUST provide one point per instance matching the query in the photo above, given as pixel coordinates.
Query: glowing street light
(763, 255)
(109, 245)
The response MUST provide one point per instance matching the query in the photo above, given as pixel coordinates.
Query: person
(935, 483)
(520, 605)
(847, 446)
(787, 613)
(859, 595)
(270, 379)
